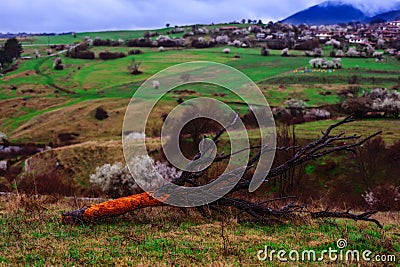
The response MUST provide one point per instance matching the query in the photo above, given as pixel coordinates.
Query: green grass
(32, 235)
(389, 127)
(97, 79)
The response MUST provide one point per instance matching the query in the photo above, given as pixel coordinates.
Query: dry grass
(79, 119)
(164, 236)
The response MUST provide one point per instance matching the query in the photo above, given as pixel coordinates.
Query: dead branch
(327, 144)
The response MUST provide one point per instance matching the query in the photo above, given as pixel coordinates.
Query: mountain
(387, 16)
(329, 12)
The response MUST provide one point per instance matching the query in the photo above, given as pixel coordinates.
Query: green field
(32, 235)
(84, 80)
(38, 104)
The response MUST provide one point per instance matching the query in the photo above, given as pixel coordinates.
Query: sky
(36, 16)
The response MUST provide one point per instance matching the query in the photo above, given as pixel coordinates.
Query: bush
(101, 114)
(134, 66)
(226, 50)
(295, 104)
(99, 42)
(383, 198)
(308, 45)
(135, 52)
(57, 65)
(352, 52)
(265, 51)
(339, 53)
(111, 55)
(285, 52)
(116, 180)
(140, 42)
(385, 101)
(80, 52)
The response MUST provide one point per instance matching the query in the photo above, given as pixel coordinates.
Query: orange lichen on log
(111, 208)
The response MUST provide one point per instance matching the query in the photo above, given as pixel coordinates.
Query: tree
(4, 60)
(58, 65)
(167, 25)
(243, 21)
(259, 22)
(133, 67)
(263, 212)
(13, 48)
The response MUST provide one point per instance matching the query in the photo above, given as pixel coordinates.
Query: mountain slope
(387, 16)
(329, 12)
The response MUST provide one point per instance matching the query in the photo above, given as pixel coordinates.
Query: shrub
(111, 55)
(352, 52)
(135, 52)
(156, 84)
(383, 198)
(99, 42)
(385, 101)
(36, 53)
(116, 180)
(223, 39)
(226, 51)
(101, 114)
(318, 52)
(378, 54)
(317, 114)
(3, 136)
(334, 43)
(265, 51)
(285, 52)
(140, 42)
(339, 53)
(57, 65)
(295, 104)
(308, 45)
(133, 67)
(80, 52)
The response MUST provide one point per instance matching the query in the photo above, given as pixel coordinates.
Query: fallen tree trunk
(109, 208)
(327, 144)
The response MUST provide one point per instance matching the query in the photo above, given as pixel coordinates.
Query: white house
(395, 23)
(358, 40)
(323, 36)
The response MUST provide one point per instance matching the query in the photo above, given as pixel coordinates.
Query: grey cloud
(91, 15)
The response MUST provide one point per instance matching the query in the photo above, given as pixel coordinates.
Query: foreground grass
(164, 236)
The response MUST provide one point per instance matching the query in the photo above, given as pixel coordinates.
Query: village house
(323, 36)
(395, 23)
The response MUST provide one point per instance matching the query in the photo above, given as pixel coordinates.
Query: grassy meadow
(32, 235)
(38, 103)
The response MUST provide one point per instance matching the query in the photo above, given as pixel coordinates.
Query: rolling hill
(387, 16)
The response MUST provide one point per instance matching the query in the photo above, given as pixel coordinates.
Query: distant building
(324, 36)
(395, 23)
(358, 40)
(260, 36)
(228, 28)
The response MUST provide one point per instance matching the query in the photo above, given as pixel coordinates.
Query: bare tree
(262, 212)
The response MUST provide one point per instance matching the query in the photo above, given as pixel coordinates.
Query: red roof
(228, 28)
